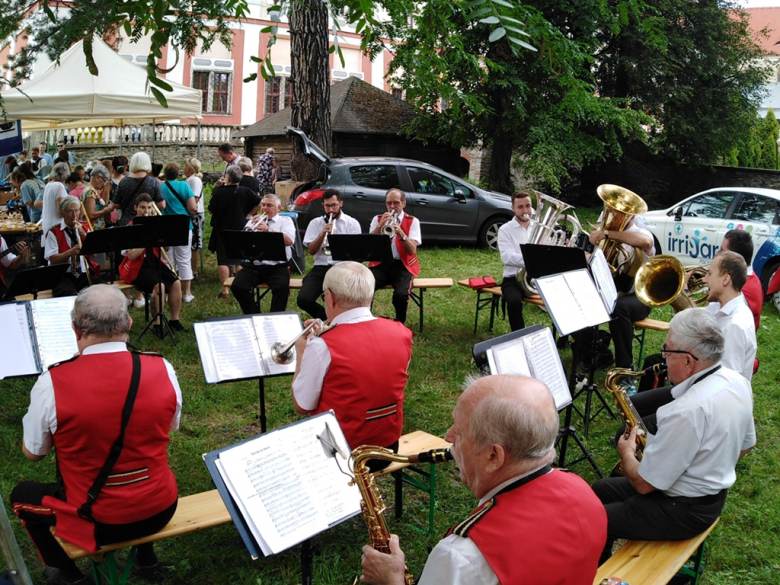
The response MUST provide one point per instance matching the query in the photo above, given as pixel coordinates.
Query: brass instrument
(156, 211)
(626, 408)
(254, 222)
(284, 353)
(698, 291)
(76, 262)
(325, 248)
(620, 205)
(388, 228)
(372, 504)
(544, 232)
(661, 281)
(86, 215)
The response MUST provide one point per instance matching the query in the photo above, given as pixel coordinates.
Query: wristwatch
(404, 238)
(606, 234)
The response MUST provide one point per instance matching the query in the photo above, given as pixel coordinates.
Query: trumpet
(254, 222)
(156, 211)
(325, 248)
(284, 353)
(388, 228)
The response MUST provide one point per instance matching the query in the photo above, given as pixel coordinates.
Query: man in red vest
(503, 440)
(741, 242)
(406, 237)
(10, 260)
(77, 408)
(358, 366)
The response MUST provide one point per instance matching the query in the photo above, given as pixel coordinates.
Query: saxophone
(372, 504)
(626, 408)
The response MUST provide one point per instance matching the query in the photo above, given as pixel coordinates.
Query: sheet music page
(562, 304)
(53, 331)
(206, 353)
(546, 365)
(234, 348)
(280, 500)
(509, 358)
(17, 357)
(602, 275)
(269, 329)
(242, 508)
(587, 297)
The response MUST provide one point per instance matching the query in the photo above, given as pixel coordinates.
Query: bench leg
(428, 487)
(640, 337)
(697, 569)
(418, 299)
(111, 572)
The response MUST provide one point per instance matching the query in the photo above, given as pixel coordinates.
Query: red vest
(555, 525)
(754, 295)
(63, 246)
(129, 269)
(365, 382)
(410, 260)
(90, 392)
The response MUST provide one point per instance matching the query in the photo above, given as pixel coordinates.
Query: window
(426, 181)
(215, 86)
(397, 93)
(712, 205)
(375, 176)
(757, 209)
(278, 94)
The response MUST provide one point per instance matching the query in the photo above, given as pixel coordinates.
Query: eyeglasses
(665, 352)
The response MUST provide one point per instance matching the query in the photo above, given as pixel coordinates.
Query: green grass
(745, 546)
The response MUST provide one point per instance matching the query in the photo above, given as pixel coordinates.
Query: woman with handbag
(180, 200)
(138, 181)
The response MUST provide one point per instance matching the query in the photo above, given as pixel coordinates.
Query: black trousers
(276, 276)
(69, 285)
(311, 290)
(38, 524)
(653, 516)
(395, 274)
(513, 297)
(627, 310)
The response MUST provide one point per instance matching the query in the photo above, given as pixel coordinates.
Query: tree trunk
(502, 143)
(310, 104)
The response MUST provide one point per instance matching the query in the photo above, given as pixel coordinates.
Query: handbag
(482, 282)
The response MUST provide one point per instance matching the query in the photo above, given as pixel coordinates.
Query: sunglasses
(666, 352)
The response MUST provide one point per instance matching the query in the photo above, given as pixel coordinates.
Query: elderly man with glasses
(679, 487)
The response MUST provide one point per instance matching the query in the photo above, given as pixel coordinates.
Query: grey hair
(59, 172)
(351, 284)
(67, 201)
(696, 331)
(100, 171)
(234, 173)
(245, 164)
(525, 431)
(140, 162)
(269, 150)
(101, 310)
(274, 197)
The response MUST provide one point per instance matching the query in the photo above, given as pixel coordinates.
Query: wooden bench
(47, 294)
(492, 299)
(646, 562)
(639, 336)
(419, 286)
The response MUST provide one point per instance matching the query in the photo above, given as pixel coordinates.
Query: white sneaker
(139, 304)
(129, 302)
(188, 298)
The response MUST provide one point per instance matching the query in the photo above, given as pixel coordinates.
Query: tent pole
(199, 155)
(154, 142)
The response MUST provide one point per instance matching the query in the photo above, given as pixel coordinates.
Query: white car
(693, 229)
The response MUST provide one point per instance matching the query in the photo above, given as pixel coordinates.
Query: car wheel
(488, 234)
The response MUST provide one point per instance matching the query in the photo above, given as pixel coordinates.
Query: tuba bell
(547, 231)
(620, 205)
(660, 282)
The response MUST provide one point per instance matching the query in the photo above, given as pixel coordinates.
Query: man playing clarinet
(510, 236)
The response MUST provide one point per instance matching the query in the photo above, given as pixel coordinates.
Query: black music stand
(479, 351)
(360, 247)
(159, 232)
(112, 241)
(254, 245)
(34, 280)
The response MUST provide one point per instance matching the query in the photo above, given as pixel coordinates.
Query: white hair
(67, 201)
(100, 171)
(234, 174)
(59, 172)
(350, 283)
(695, 331)
(140, 162)
(101, 310)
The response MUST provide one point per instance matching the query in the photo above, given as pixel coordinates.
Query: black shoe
(54, 577)
(604, 359)
(155, 573)
(158, 331)
(177, 326)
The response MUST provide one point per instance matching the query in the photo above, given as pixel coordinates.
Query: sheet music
(602, 275)
(235, 351)
(546, 365)
(17, 357)
(572, 300)
(53, 330)
(509, 358)
(270, 329)
(287, 485)
(587, 297)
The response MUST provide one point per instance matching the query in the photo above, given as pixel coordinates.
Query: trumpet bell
(282, 355)
(660, 281)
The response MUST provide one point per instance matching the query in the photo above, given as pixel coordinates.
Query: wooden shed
(366, 121)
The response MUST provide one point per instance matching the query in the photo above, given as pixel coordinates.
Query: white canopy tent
(67, 95)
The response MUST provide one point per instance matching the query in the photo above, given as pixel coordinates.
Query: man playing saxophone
(503, 434)
(679, 488)
(510, 236)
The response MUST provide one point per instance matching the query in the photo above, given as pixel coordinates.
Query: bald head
(101, 311)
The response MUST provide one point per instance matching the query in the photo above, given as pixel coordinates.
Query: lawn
(744, 548)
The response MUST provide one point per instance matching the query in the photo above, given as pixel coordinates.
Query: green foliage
(756, 144)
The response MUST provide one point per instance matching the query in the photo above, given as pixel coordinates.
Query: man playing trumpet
(358, 367)
(405, 238)
(316, 236)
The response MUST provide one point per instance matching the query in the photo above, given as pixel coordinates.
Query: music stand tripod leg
(165, 325)
(261, 395)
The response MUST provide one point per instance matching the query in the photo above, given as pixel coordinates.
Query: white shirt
(456, 560)
(283, 224)
(52, 247)
(630, 249)
(414, 232)
(10, 257)
(739, 330)
(197, 189)
(344, 225)
(510, 236)
(700, 435)
(40, 422)
(307, 386)
(52, 193)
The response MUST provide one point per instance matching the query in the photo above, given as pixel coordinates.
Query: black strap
(85, 511)
(700, 378)
(527, 479)
(127, 203)
(176, 193)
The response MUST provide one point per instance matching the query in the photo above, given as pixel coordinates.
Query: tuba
(626, 409)
(547, 231)
(372, 505)
(661, 281)
(620, 205)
